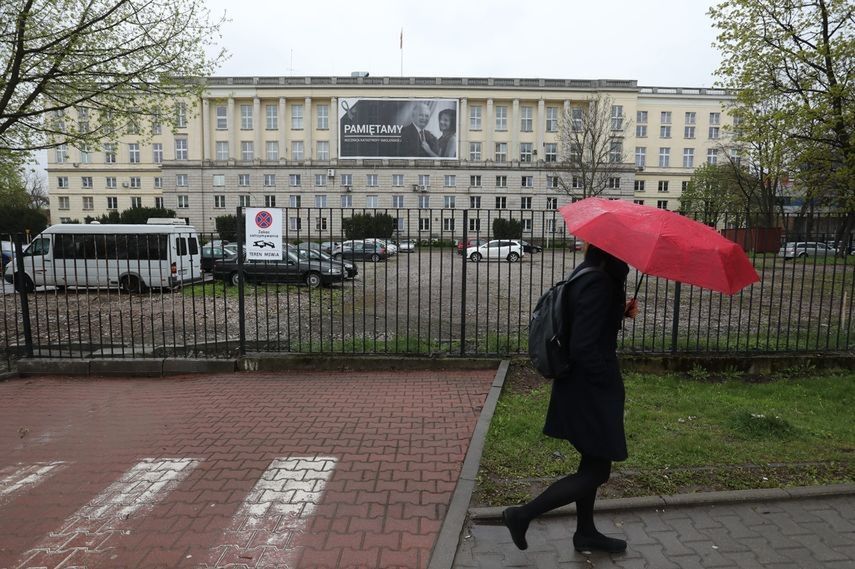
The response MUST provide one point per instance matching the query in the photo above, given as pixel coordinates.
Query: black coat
(411, 145)
(586, 407)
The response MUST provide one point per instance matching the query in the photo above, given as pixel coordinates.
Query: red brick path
(394, 444)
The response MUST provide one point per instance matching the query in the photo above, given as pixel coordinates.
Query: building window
(424, 202)
(272, 150)
(296, 117)
(526, 120)
(639, 186)
(243, 180)
(575, 153)
(641, 131)
(347, 200)
(501, 117)
(323, 150)
(181, 115)
(424, 180)
(614, 183)
(448, 224)
(271, 113)
(712, 156)
(715, 119)
(158, 202)
(551, 119)
(111, 182)
(222, 117)
(88, 203)
(501, 181)
(615, 151)
(157, 153)
(321, 200)
(525, 202)
(136, 182)
(294, 201)
(526, 225)
(270, 180)
(664, 132)
(552, 182)
(219, 201)
(222, 150)
(641, 117)
(320, 180)
(448, 202)
(85, 155)
(63, 202)
(525, 151)
(501, 152)
(551, 151)
(450, 181)
(617, 117)
(86, 182)
(665, 117)
(638, 202)
(246, 117)
(475, 181)
(714, 132)
(527, 181)
(576, 182)
(320, 223)
(294, 223)
(297, 150)
(323, 117)
(158, 183)
(475, 202)
(663, 186)
(294, 180)
(424, 224)
(474, 224)
(684, 185)
(109, 153)
(640, 156)
(551, 203)
(181, 149)
(183, 201)
(664, 157)
(269, 200)
(181, 180)
(691, 117)
(397, 180)
(475, 117)
(501, 202)
(689, 132)
(134, 153)
(247, 151)
(219, 180)
(662, 204)
(688, 158)
(347, 180)
(398, 201)
(243, 200)
(474, 151)
(371, 180)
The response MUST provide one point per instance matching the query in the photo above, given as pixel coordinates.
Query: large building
(328, 142)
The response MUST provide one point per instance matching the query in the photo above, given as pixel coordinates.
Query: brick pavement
(248, 470)
(810, 533)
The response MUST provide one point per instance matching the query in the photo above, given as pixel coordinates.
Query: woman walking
(586, 407)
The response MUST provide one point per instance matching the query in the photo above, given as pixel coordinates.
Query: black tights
(580, 487)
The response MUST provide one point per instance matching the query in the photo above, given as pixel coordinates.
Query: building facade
(280, 142)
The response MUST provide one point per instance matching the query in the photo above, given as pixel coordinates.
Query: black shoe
(516, 526)
(598, 542)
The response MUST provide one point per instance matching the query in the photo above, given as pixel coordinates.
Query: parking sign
(263, 233)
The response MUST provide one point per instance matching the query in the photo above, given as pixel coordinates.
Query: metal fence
(431, 300)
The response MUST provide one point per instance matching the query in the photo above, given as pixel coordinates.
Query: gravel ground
(415, 303)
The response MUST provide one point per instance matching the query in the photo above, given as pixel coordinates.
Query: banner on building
(263, 233)
(424, 129)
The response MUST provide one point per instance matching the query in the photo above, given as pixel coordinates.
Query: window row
(63, 203)
(110, 182)
(111, 151)
(662, 186)
(321, 201)
(690, 121)
(271, 117)
(107, 122)
(688, 156)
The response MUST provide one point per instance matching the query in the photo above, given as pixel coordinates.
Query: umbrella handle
(638, 286)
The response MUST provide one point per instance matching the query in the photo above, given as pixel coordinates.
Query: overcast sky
(657, 42)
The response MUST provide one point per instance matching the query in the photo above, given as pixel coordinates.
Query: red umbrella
(661, 243)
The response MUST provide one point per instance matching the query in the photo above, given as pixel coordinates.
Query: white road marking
(138, 490)
(15, 478)
(276, 510)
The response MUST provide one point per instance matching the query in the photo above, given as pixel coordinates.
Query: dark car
(361, 251)
(350, 269)
(530, 247)
(212, 254)
(291, 269)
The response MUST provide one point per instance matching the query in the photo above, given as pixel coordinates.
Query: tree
(111, 61)
(227, 227)
(713, 195)
(507, 228)
(591, 137)
(800, 58)
(21, 220)
(363, 226)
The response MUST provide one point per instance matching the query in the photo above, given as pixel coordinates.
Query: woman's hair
(613, 266)
(452, 118)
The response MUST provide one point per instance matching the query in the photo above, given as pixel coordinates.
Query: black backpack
(549, 332)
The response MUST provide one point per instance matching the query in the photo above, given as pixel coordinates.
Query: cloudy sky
(657, 42)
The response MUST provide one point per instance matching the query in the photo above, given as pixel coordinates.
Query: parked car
(530, 247)
(291, 269)
(7, 252)
(461, 247)
(496, 249)
(212, 254)
(350, 270)
(406, 246)
(330, 246)
(361, 251)
(391, 248)
(310, 245)
(793, 249)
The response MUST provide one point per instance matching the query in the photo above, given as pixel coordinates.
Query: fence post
(463, 285)
(676, 322)
(22, 290)
(241, 307)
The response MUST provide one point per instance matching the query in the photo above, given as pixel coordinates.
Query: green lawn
(687, 433)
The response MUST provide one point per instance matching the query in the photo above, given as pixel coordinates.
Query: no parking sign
(263, 233)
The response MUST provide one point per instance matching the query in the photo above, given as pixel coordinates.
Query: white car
(507, 249)
(406, 246)
(795, 249)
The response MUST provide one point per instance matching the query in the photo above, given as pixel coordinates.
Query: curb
(131, 367)
(494, 515)
(445, 547)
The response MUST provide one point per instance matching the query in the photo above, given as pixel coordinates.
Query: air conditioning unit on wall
(331, 172)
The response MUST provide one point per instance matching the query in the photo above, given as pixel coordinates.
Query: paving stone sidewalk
(809, 533)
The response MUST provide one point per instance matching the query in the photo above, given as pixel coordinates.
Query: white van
(128, 257)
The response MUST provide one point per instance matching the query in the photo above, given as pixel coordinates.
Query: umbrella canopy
(661, 243)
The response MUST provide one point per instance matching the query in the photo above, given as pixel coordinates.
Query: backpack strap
(563, 331)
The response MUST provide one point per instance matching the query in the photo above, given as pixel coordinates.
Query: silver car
(793, 249)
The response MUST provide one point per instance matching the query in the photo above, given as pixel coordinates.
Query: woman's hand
(631, 308)
(426, 147)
